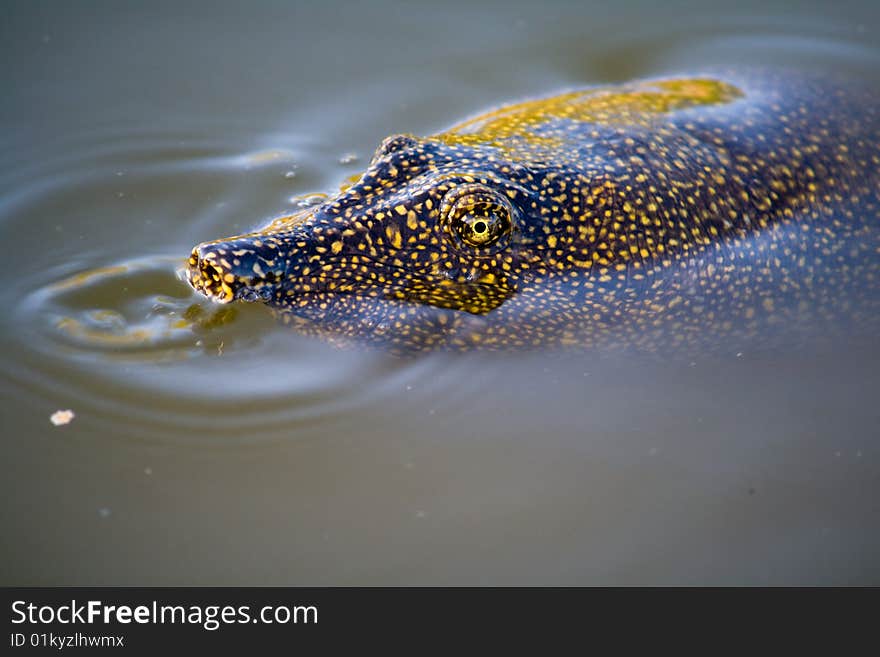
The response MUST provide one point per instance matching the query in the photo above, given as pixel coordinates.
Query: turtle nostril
(208, 276)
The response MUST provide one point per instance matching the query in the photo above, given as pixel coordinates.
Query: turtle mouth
(207, 275)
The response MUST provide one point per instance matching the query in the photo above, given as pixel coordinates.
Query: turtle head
(432, 240)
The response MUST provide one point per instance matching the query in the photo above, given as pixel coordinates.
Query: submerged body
(704, 212)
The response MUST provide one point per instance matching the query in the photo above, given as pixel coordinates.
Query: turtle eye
(476, 215)
(482, 226)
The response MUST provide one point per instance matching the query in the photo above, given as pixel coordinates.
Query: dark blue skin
(684, 213)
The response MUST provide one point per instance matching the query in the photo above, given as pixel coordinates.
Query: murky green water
(213, 447)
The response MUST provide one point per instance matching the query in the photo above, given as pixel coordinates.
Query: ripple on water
(93, 323)
(133, 342)
(136, 310)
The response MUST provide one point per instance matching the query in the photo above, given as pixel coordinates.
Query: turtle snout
(224, 271)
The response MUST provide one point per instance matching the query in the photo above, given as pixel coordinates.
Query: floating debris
(309, 200)
(348, 158)
(59, 418)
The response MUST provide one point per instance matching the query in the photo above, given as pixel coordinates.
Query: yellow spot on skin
(393, 235)
(336, 247)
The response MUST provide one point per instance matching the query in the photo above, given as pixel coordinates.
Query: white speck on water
(739, 354)
(291, 174)
(104, 512)
(408, 388)
(653, 451)
(420, 514)
(59, 418)
(148, 471)
(348, 158)
(432, 411)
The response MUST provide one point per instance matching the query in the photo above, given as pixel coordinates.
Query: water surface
(211, 446)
